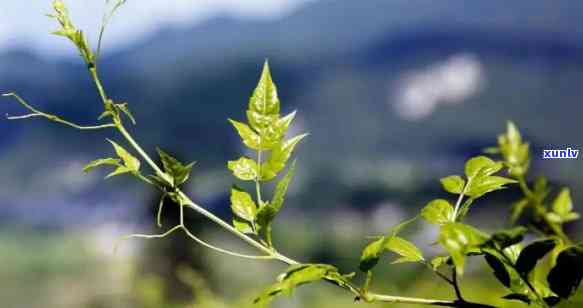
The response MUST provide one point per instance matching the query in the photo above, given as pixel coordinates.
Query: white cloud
(24, 23)
(452, 81)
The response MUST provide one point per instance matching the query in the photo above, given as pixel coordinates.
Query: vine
(516, 266)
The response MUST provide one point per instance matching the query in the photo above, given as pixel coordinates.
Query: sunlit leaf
(242, 204)
(481, 165)
(458, 239)
(264, 99)
(178, 171)
(407, 250)
(453, 184)
(101, 162)
(438, 212)
(244, 168)
(130, 162)
(279, 157)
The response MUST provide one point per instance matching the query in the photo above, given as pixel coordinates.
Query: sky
(22, 23)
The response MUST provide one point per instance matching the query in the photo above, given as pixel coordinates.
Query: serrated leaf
(281, 188)
(244, 168)
(101, 162)
(243, 226)
(453, 184)
(279, 156)
(174, 168)
(566, 276)
(563, 205)
(295, 276)
(531, 254)
(499, 268)
(438, 212)
(259, 121)
(243, 205)
(250, 137)
(130, 162)
(407, 250)
(264, 99)
(268, 212)
(482, 185)
(481, 165)
(458, 239)
(371, 254)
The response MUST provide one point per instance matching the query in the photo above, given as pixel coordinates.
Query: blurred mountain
(347, 66)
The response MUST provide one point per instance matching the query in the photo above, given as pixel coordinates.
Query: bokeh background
(395, 94)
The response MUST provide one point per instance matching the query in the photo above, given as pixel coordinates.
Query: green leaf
(482, 185)
(514, 151)
(130, 162)
(268, 212)
(459, 239)
(531, 254)
(566, 276)
(407, 250)
(481, 165)
(250, 138)
(563, 205)
(243, 205)
(279, 156)
(439, 261)
(295, 276)
(281, 188)
(119, 170)
(508, 237)
(371, 254)
(243, 226)
(244, 168)
(499, 268)
(438, 212)
(178, 171)
(453, 184)
(260, 121)
(101, 162)
(264, 99)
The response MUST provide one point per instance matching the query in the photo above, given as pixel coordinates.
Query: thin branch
(144, 236)
(456, 285)
(215, 248)
(50, 117)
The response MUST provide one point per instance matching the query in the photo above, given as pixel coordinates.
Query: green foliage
(298, 275)
(458, 240)
(438, 212)
(265, 133)
(176, 172)
(563, 208)
(407, 251)
(544, 273)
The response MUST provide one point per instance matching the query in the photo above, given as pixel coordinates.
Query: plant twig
(51, 117)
